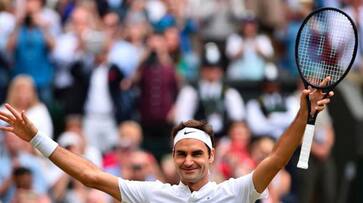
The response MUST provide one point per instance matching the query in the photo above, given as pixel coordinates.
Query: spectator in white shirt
(211, 98)
(248, 51)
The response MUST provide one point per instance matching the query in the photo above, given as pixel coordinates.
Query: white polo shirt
(240, 190)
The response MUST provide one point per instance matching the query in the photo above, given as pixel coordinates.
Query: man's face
(240, 134)
(211, 74)
(192, 161)
(140, 166)
(23, 181)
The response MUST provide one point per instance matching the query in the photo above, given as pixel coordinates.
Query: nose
(188, 161)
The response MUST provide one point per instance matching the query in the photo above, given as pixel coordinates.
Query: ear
(212, 155)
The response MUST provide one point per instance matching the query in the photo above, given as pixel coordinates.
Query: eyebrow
(195, 152)
(180, 152)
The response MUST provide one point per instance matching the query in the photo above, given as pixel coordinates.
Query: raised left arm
(290, 139)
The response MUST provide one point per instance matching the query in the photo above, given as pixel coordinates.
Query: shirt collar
(201, 193)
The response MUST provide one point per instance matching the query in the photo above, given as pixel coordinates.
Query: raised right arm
(74, 165)
(85, 172)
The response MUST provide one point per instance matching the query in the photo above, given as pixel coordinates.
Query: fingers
(330, 94)
(13, 111)
(5, 119)
(325, 81)
(309, 91)
(320, 108)
(8, 129)
(314, 90)
(304, 95)
(306, 92)
(25, 118)
(7, 116)
(321, 104)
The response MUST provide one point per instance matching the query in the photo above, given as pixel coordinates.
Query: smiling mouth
(189, 170)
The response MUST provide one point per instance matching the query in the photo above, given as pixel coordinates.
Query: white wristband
(44, 144)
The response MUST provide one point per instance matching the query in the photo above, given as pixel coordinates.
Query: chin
(189, 180)
(192, 178)
(188, 177)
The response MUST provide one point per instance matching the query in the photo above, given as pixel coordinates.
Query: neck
(196, 186)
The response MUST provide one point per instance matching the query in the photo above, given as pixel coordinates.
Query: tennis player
(193, 154)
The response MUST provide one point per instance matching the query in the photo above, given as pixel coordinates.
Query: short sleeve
(134, 191)
(244, 189)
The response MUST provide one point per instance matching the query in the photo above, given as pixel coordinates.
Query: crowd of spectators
(108, 79)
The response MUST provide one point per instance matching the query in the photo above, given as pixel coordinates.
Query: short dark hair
(198, 124)
(19, 171)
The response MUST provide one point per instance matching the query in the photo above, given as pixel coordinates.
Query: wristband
(44, 144)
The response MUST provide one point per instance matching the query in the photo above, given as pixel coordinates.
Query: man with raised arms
(193, 154)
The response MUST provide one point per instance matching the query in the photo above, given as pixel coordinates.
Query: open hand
(18, 123)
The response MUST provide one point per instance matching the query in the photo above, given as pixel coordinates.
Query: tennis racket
(326, 45)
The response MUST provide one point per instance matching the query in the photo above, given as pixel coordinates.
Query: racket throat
(311, 117)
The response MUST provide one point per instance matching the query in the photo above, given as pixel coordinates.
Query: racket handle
(306, 147)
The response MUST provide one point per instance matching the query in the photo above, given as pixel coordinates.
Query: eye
(197, 153)
(180, 154)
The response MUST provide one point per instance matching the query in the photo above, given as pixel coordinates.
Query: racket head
(326, 45)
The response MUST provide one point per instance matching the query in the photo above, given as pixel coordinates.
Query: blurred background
(108, 79)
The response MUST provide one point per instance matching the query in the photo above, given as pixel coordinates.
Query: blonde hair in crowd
(18, 83)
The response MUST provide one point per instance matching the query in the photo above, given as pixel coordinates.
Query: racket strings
(326, 47)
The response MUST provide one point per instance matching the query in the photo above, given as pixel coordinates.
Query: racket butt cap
(302, 165)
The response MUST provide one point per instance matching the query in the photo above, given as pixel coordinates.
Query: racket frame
(309, 131)
(331, 86)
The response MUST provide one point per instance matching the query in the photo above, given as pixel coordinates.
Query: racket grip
(306, 147)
